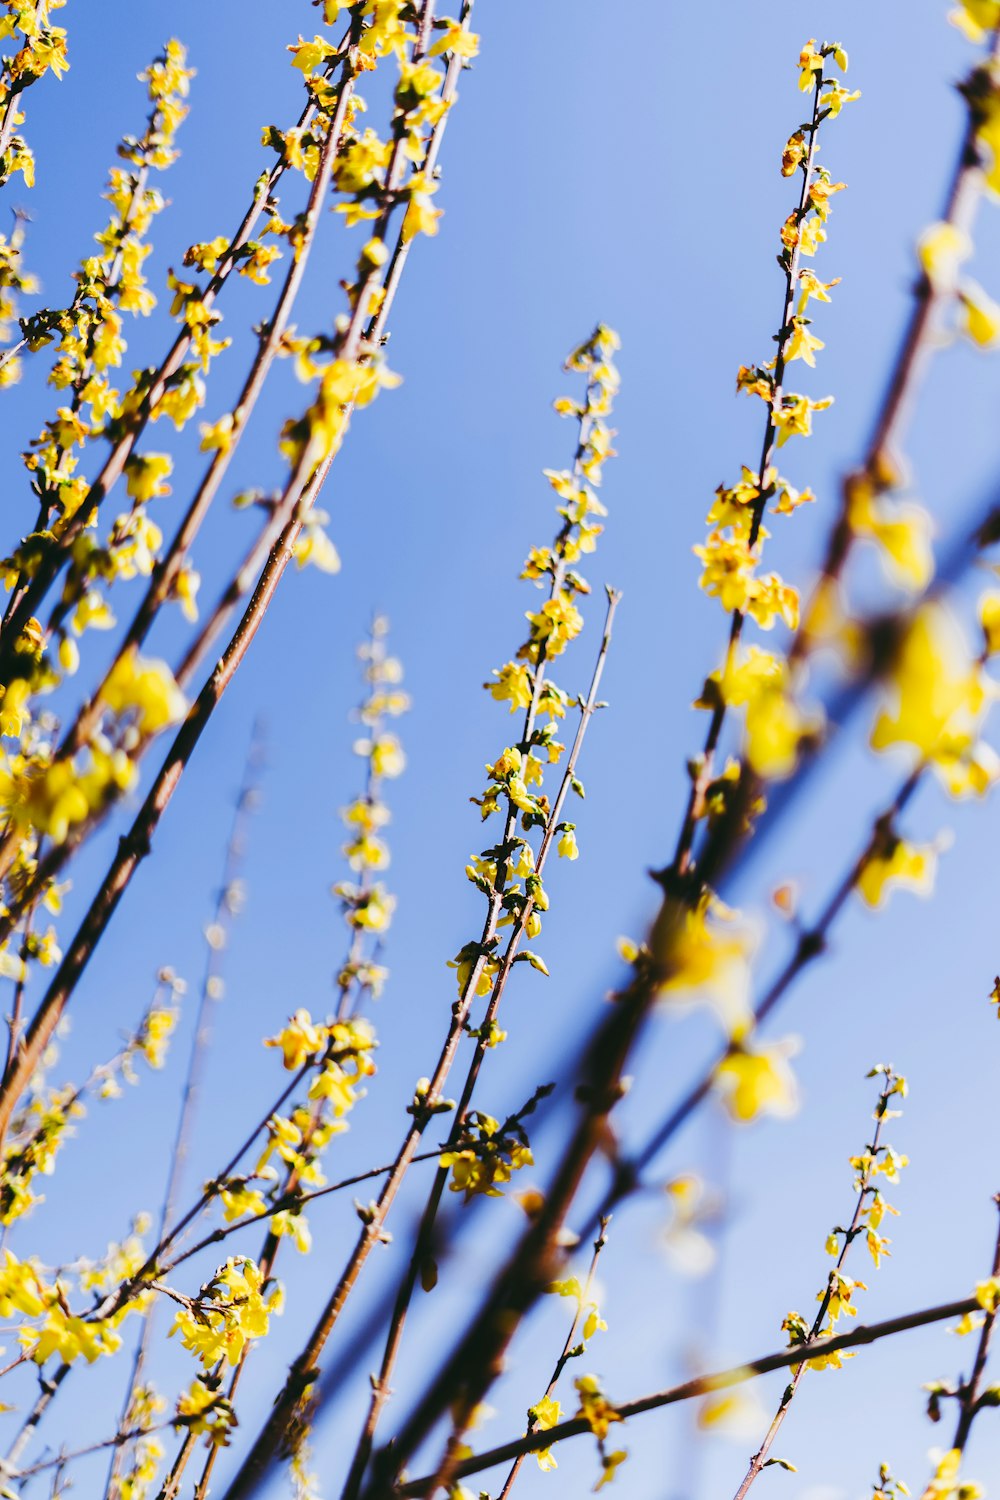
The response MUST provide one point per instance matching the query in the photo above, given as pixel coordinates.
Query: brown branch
(702, 1385)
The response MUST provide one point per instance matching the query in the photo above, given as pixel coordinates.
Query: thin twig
(564, 1355)
(759, 1459)
(210, 989)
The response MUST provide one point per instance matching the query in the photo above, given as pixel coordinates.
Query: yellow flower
(238, 1201)
(836, 97)
(941, 249)
(610, 1462)
(989, 619)
(794, 416)
(811, 286)
(545, 1414)
(69, 1337)
(137, 685)
(219, 434)
(897, 863)
(567, 846)
(758, 1082)
(981, 315)
(988, 1294)
(775, 726)
(802, 344)
(902, 531)
(234, 1311)
(421, 216)
(457, 40)
(735, 1414)
(976, 18)
(513, 685)
(940, 700)
(810, 66)
(465, 962)
(794, 153)
(309, 57)
(693, 955)
(595, 1406)
(288, 1222)
(299, 1041)
(946, 1484)
(145, 473)
(204, 1409)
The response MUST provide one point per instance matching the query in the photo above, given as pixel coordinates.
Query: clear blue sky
(597, 167)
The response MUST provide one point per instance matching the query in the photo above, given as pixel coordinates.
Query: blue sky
(594, 170)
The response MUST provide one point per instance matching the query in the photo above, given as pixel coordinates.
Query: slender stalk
(425, 1233)
(48, 1387)
(564, 1355)
(168, 568)
(916, 347)
(700, 783)
(371, 714)
(116, 1441)
(210, 989)
(759, 1459)
(300, 1375)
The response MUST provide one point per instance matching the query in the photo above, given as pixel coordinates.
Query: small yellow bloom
(897, 863)
(758, 1082)
(941, 249)
(980, 313)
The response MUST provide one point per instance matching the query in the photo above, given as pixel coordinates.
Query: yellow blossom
(694, 955)
(513, 685)
(543, 1415)
(980, 315)
(755, 1082)
(146, 688)
(939, 697)
(802, 344)
(895, 862)
(941, 249)
(299, 1041)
